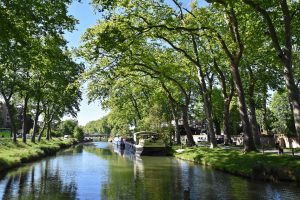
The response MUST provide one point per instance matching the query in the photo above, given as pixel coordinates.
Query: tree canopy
(149, 53)
(37, 70)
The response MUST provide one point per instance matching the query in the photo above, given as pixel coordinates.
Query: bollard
(186, 194)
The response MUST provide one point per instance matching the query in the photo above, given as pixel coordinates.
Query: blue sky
(87, 18)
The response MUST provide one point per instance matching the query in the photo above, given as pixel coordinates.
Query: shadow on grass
(252, 165)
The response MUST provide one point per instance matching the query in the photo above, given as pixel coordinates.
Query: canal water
(97, 171)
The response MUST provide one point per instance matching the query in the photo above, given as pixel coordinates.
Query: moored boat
(146, 143)
(116, 140)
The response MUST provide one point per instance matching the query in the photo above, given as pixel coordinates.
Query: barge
(146, 143)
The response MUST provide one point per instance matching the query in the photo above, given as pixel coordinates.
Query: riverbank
(15, 154)
(253, 165)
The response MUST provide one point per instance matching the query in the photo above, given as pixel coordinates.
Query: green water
(97, 171)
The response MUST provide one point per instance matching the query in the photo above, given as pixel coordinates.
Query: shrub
(78, 133)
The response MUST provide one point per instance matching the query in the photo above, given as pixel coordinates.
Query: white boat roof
(143, 133)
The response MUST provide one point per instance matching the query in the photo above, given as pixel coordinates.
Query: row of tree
(151, 56)
(36, 68)
(98, 126)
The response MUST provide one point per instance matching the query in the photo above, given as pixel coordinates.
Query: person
(280, 149)
(122, 145)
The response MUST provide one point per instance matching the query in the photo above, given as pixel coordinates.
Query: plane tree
(281, 19)
(23, 24)
(107, 43)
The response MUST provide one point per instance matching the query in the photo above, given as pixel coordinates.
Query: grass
(15, 154)
(253, 165)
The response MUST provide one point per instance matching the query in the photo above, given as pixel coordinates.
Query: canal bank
(16, 154)
(254, 165)
(99, 171)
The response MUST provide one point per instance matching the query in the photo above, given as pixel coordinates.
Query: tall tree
(281, 31)
(22, 24)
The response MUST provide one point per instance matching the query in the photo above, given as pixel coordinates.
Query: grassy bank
(15, 154)
(252, 165)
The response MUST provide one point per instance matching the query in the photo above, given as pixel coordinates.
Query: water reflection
(38, 182)
(100, 172)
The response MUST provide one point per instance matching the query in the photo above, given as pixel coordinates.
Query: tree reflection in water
(99, 172)
(38, 183)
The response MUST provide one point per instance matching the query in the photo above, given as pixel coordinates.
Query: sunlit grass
(14, 154)
(253, 164)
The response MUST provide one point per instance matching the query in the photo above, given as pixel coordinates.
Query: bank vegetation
(254, 165)
(14, 154)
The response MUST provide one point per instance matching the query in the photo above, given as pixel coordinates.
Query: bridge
(97, 135)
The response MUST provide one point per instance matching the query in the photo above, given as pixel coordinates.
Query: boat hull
(154, 151)
(146, 151)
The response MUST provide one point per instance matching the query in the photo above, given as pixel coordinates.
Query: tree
(98, 126)
(280, 107)
(79, 133)
(234, 49)
(117, 32)
(67, 127)
(24, 26)
(281, 31)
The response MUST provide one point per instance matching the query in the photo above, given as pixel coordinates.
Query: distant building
(4, 115)
(198, 130)
(5, 121)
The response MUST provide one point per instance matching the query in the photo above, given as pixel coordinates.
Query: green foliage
(234, 121)
(56, 133)
(99, 126)
(67, 127)
(253, 165)
(218, 108)
(148, 53)
(15, 154)
(281, 110)
(154, 120)
(79, 133)
(35, 60)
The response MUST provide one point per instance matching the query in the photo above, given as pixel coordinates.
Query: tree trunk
(226, 116)
(205, 96)
(24, 125)
(248, 137)
(186, 126)
(177, 132)
(227, 100)
(254, 125)
(217, 124)
(42, 131)
(235, 58)
(184, 109)
(284, 53)
(135, 105)
(293, 94)
(292, 126)
(252, 111)
(46, 119)
(286, 59)
(207, 108)
(48, 133)
(35, 124)
(10, 110)
(174, 114)
(263, 123)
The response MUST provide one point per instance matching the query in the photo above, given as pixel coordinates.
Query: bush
(56, 133)
(67, 127)
(78, 133)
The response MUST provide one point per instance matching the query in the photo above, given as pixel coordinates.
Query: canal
(97, 171)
